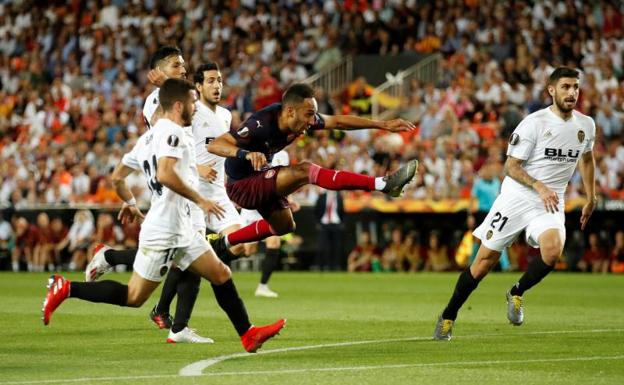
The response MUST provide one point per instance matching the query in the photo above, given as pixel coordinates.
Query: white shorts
(231, 216)
(153, 265)
(510, 214)
(250, 216)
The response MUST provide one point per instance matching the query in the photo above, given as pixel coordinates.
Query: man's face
(210, 90)
(565, 93)
(302, 116)
(189, 109)
(173, 67)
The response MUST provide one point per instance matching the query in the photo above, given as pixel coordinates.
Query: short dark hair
(198, 76)
(174, 90)
(296, 93)
(162, 53)
(562, 72)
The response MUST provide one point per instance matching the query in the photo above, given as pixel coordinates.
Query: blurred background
(73, 83)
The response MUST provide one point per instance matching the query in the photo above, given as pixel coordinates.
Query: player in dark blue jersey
(253, 184)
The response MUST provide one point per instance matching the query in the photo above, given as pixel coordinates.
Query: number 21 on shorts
(498, 217)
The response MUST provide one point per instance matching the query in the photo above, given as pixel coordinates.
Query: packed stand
(73, 81)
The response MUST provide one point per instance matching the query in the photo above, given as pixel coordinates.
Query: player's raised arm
(587, 167)
(225, 146)
(350, 122)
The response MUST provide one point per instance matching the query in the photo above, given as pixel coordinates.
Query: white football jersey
(551, 148)
(168, 221)
(150, 106)
(207, 125)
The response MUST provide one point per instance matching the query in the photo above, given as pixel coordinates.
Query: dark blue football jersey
(260, 133)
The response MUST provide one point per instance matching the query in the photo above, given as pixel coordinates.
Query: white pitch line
(216, 360)
(197, 368)
(330, 369)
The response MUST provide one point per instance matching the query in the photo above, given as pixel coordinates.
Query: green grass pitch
(342, 329)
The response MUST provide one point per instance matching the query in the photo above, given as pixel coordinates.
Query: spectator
(617, 254)
(595, 258)
(363, 255)
(437, 254)
(78, 239)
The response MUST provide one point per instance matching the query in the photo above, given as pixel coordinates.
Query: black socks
(269, 264)
(465, 285)
(228, 299)
(120, 257)
(535, 273)
(169, 290)
(111, 292)
(188, 288)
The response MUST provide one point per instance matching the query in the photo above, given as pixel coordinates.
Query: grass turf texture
(573, 334)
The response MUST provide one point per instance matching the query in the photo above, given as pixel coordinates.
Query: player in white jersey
(542, 155)
(273, 243)
(167, 62)
(166, 157)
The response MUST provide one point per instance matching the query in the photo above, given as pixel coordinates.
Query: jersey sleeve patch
(173, 140)
(514, 139)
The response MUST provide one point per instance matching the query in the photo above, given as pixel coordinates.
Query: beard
(187, 117)
(560, 102)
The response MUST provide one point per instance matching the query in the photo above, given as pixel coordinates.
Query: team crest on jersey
(163, 270)
(489, 234)
(514, 139)
(243, 132)
(173, 141)
(269, 174)
(581, 136)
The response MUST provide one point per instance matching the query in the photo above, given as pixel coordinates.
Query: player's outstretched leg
(398, 179)
(59, 289)
(344, 180)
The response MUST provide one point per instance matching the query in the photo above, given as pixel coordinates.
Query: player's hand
(548, 196)
(257, 159)
(588, 209)
(207, 171)
(396, 125)
(129, 214)
(156, 77)
(211, 208)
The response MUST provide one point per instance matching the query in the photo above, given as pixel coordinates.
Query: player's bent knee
(222, 275)
(285, 228)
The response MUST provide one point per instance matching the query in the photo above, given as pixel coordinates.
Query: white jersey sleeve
(170, 144)
(523, 140)
(591, 137)
(131, 159)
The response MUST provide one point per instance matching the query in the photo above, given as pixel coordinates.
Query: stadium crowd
(73, 81)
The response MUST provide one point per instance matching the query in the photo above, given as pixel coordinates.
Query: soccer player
(253, 184)
(166, 157)
(167, 62)
(542, 155)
